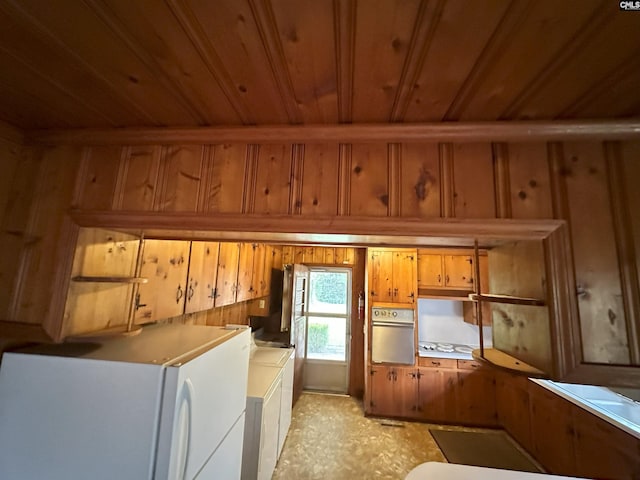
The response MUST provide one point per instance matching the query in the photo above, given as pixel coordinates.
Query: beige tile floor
(331, 439)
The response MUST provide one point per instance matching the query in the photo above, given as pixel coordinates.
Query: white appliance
(269, 404)
(168, 403)
(392, 335)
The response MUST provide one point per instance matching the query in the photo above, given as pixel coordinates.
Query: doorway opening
(328, 314)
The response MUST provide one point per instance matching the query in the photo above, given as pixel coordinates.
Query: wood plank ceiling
(123, 63)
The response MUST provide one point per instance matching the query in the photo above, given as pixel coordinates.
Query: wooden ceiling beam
(503, 131)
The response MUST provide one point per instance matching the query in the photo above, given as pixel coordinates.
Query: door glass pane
(326, 338)
(328, 293)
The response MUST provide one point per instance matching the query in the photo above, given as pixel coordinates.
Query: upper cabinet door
(381, 276)
(430, 270)
(404, 277)
(259, 281)
(203, 271)
(165, 264)
(226, 285)
(458, 271)
(245, 272)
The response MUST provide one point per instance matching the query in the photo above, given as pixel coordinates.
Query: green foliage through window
(329, 287)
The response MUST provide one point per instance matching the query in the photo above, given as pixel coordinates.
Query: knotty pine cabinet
(437, 390)
(254, 271)
(469, 312)
(564, 437)
(392, 275)
(392, 391)
(203, 274)
(165, 264)
(444, 269)
(226, 285)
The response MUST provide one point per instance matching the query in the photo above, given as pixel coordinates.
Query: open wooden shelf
(96, 279)
(504, 361)
(488, 297)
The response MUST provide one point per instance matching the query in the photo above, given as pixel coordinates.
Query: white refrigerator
(168, 403)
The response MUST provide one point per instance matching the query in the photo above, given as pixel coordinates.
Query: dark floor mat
(492, 449)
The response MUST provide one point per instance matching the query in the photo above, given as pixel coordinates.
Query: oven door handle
(393, 324)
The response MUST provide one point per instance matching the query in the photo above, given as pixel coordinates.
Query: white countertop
(261, 380)
(452, 471)
(602, 402)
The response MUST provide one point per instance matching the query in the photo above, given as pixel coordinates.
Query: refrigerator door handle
(183, 432)
(189, 400)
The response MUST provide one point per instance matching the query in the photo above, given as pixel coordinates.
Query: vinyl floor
(331, 439)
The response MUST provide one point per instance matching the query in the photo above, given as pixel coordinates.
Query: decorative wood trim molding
(297, 171)
(78, 190)
(502, 184)
(161, 179)
(503, 131)
(11, 134)
(394, 156)
(424, 30)
(344, 179)
(204, 178)
(250, 179)
(563, 308)
(447, 189)
(118, 196)
(557, 169)
(342, 229)
(625, 246)
(53, 324)
(266, 25)
(344, 14)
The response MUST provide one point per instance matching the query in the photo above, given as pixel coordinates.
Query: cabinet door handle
(395, 292)
(191, 292)
(439, 278)
(436, 364)
(446, 279)
(138, 304)
(179, 294)
(389, 292)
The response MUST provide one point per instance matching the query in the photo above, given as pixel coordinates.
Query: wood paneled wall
(587, 183)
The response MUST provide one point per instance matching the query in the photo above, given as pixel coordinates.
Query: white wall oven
(392, 334)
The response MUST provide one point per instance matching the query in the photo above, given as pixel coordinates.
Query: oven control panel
(392, 314)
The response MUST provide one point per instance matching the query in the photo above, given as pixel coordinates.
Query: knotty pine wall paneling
(529, 182)
(474, 194)
(98, 177)
(36, 240)
(226, 178)
(419, 180)
(602, 316)
(138, 181)
(624, 167)
(320, 179)
(369, 180)
(182, 178)
(571, 181)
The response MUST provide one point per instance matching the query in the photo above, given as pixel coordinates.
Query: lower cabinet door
(437, 394)
(476, 398)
